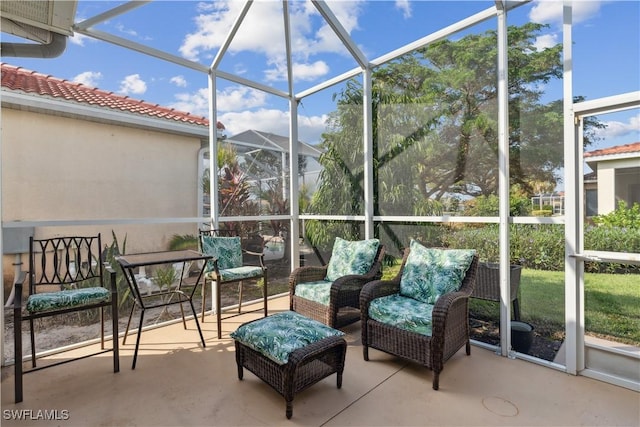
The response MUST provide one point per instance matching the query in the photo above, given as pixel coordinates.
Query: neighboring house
(123, 158)
(615, 178)
(253, 140)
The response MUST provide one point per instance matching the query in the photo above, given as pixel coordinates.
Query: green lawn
(612, 304)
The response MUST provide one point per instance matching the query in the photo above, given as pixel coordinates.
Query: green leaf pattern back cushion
(430, 273)
(226, 250)
(278, 335)
(351, 257)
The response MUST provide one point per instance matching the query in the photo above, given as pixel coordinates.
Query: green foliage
(164, 277)
(541, 247)
(109, 256)
(543, 212)
(182, 242)
(612, 239)
(435, 133)
(623, 217)
(519, 204)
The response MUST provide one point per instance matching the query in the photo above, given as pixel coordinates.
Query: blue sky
(606, 53)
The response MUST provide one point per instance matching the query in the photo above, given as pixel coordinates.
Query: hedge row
(541, 247)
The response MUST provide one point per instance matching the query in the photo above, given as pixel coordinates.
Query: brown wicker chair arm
(306, 274)
(377, 289)
(448, 306)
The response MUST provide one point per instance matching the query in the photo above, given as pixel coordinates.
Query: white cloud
(230, 99)
(258, 32)
(405, 7)
(179, 81)
(195, 103)
(79, 39)
(88, 78)
(300, 71)
(550, 11)
(617, 129)
(546, 41)
(309, 128)
(240, 98)
(130, 32)
(262, 32)
(133, 84)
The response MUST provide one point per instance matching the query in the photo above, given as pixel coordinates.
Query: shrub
(623, 217)
(543, 212)
(541, 247)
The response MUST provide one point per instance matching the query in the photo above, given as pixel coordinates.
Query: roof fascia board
(112, 13)
(609, 104)
(612, 157)
(119, 41)
(342, 34)
(438, 35)
(43, 104)
(232, 33)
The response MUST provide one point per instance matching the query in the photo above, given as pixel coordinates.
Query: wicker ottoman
(289, 352)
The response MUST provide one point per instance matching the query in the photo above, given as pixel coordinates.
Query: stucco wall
(612, 176)
(58, 168)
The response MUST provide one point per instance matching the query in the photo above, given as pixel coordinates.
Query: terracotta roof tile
(18, 78)
(618, 149)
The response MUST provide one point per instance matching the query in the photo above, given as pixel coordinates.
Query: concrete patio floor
(178, 383)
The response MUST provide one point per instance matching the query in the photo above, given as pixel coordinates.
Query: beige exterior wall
(610, 190)
(59, 168)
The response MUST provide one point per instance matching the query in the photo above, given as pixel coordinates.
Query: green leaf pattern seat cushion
(46, 301)
(278, 335)
(231, 274)
(351, 257)
(429, 272)
(318, 291)
(402, 312)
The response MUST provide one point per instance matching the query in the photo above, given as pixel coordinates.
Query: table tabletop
(155, 258)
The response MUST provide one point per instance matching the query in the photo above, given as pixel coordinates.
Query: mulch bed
(488, 332)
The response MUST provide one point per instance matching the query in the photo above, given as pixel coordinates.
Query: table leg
(135, 353)
(195, 319)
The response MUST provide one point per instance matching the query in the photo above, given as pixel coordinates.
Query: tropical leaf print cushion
(46, 301)
(351, 257)
(226, 250)
(430, 272)
(402, 312)
(278, 335)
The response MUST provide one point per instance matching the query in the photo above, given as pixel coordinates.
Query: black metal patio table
(164, 297)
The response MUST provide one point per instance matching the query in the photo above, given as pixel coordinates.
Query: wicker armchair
(428, 334)
(336, 302)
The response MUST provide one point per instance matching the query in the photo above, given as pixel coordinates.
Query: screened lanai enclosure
(470, 135)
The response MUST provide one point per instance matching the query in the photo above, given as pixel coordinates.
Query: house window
(591, 202)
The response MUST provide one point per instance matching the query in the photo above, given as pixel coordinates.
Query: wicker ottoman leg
(239, 359)
(289, 411)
